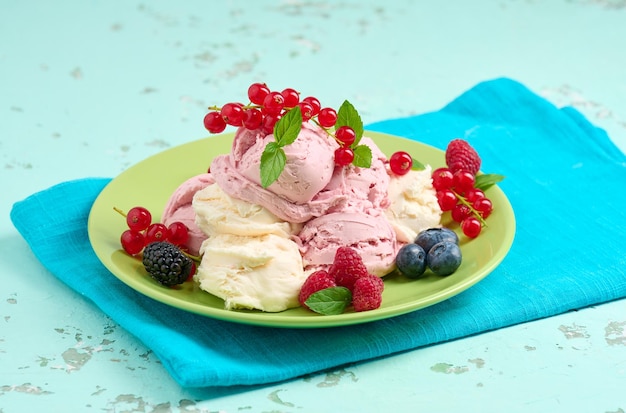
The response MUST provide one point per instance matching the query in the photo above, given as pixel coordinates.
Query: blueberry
(431, 236)
(411, 260)
(444, 258)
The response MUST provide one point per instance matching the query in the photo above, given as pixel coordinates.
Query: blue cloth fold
(564, 178)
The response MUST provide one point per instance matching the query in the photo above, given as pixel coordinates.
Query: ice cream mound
(290, 192)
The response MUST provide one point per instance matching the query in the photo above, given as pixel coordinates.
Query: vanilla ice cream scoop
(218, 213)
(413, 204)
(264, 272)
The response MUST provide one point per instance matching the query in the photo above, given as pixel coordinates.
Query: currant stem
(119, 211)
(467, 204)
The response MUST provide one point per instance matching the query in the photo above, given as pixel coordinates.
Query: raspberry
(367, 293)
(166, 263)
(461, 156)
(315, 282)
(347, 267)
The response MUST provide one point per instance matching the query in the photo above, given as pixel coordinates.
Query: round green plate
(150, 183)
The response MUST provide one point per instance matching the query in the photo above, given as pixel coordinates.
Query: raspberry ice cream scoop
(371, 236)
(359, 189)
(308, 169)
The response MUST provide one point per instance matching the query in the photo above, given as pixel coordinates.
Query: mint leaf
(288, 127)
(362, 156)
(330, 301)
(486, 181)
(417, 165)
(348, 116)
(273, 162)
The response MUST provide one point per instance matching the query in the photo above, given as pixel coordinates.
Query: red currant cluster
(266, 107)
(468, 205)
(142, 231)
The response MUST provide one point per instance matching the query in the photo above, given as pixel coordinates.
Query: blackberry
(166, 263)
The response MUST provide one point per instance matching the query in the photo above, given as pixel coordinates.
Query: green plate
(150, 183)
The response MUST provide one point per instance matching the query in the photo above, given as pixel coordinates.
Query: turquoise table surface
(89, 88)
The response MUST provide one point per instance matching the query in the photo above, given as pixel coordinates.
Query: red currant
(156, 232)
(273, 103)
(214, 122)
(447, 200)
(269, 121)
(460, 212)
(314, 102)
(306, 110)
(442, 179)
(400, 163)
(177, 233)
(463, 181)
(345, 135)
(138, 218)
(483, 206)
(257, 93)
(232, 113)
(471, 227)
(132, 241)
(327, 117)
(253, 118)
(292, 97)
(474, 194)
(344, 156)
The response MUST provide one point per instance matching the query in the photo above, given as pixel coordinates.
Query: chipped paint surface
(135, 81)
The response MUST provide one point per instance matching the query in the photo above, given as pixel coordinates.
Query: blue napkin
(564, 178)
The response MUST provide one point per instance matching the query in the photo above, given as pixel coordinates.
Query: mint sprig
(486, 181)
(273, 158)
(417, 165)
(329, 301)
(347, 115)
(287, 129)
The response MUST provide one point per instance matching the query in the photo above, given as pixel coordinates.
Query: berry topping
(461, 191)
(471, 227)
(156, 232)
(347, 267)
(436, 249)
(317, 281)
(214, 122)
(444, 258)
(282, 114)
(166, 263)
(400, 163)
(411, 260)
(460, 156)
(138, 218)
(367, 293)
(142, 232)
(233, 114)
(257, 93)
(132, 241)
(431, 236)
(292, 97)
(345, 135)
(327, 117)
(344, 156)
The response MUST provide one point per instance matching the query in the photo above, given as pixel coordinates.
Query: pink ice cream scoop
(309, 167)
(179, 208)
(359, 189)
(372, 236)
